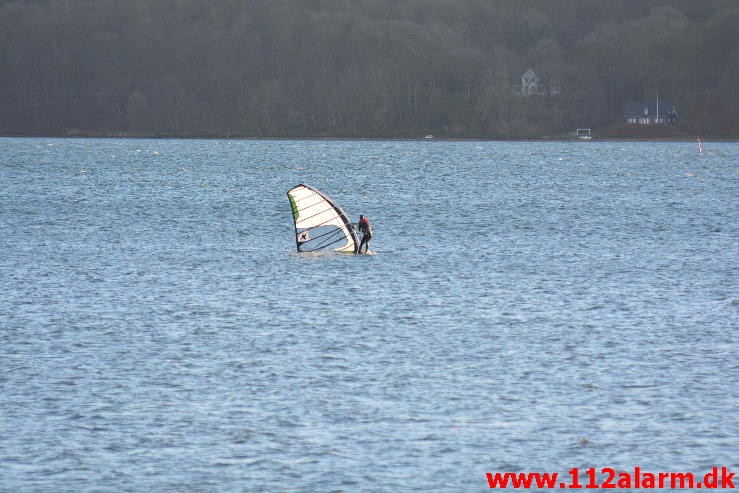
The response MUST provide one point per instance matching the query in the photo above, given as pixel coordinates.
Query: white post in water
(657, 121)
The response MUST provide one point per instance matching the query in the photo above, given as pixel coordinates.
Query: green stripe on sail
(295, 207)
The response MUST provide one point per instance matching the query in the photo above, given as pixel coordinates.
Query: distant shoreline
(380, 139)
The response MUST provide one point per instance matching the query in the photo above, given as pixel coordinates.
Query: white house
(651, 113)
(531, 85)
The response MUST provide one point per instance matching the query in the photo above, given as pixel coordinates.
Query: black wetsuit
(366, 228)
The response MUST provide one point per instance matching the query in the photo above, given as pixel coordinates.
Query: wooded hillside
(361, 68)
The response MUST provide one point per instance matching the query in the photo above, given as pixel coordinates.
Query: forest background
(363, 68)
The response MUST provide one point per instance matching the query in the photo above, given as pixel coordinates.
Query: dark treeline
(361, 68)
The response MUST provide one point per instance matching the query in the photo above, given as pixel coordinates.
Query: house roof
(529, 75)
(636, 108)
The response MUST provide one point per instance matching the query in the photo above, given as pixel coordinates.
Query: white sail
(320, 224)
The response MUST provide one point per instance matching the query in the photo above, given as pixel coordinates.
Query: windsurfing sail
(320, 224)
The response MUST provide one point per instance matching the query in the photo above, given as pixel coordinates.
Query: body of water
(532, 306)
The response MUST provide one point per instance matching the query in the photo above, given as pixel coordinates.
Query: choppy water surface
(532, 306)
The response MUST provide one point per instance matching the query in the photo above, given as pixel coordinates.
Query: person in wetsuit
(366, 229)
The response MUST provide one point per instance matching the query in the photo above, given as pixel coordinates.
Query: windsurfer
(366, 229)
